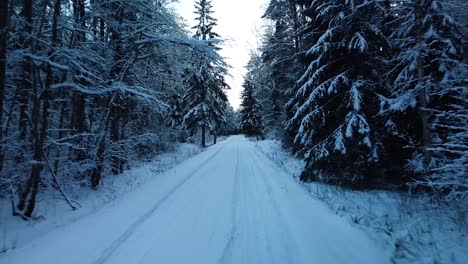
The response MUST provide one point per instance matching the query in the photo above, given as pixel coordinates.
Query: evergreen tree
(337, 96)
(251, 123)
(206, 98)
(206, 22)
(279, 52)
(427, 103)
(176, 112)
(382, 96)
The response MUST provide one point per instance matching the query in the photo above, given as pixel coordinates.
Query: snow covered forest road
(230, 204)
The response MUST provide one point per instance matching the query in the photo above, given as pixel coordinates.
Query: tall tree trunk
(423, 96)
(296, 25)
(117, 73)
(26, 78)
(41, 134)
(4, 15)
(79, 101)
(96, 172)
(25, 85)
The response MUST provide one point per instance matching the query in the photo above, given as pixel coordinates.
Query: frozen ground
(229, 204)
(413, 229)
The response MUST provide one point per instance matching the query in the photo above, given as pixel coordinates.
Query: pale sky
(239, 21)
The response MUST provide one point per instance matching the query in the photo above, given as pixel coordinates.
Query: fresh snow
(54, 213)
(413, 229)
(229, 204)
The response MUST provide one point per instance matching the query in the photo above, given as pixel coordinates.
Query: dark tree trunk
(40, 134)
(79, 14)
(24, 193)
(26, 78)
(25, 85)
(203, 137)
(79, 101)
(63, 113)
(102, 29)
(423, 96)
(115, 137)
(96, 173)
(4, 15)
(293, 7)
(117, 74)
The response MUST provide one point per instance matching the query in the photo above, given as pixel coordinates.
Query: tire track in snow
(109, 251)
(285, 229)
(232, 234)
(266, 237)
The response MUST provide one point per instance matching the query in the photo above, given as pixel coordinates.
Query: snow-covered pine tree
(279, 51)
(206, 22)
(206, 98)
(427, 103)
(251, 123)
(309, 32)
(176, 111)
(337, 96)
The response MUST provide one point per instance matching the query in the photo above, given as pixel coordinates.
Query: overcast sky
(239, 21)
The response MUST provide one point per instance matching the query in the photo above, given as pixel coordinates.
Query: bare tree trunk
(423, 96)
(4, 16)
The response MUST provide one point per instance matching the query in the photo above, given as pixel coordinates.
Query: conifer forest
(125, 121)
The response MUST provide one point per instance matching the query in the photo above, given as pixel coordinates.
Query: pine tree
(428, 83)
(337, 96)
(279, 54)
(206, 22)
(251, 123)
(206, 98)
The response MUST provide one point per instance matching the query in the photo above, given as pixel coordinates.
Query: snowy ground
(53, 212)
(229, 204)
(413, 229)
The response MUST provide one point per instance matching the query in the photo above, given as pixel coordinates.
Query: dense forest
(119, 143)
(88, 87)
(371, 94)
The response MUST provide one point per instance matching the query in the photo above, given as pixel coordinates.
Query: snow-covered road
(230, 204)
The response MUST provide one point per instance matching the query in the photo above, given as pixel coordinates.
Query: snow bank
(54, 212)
(289, 163)
(414, 229)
